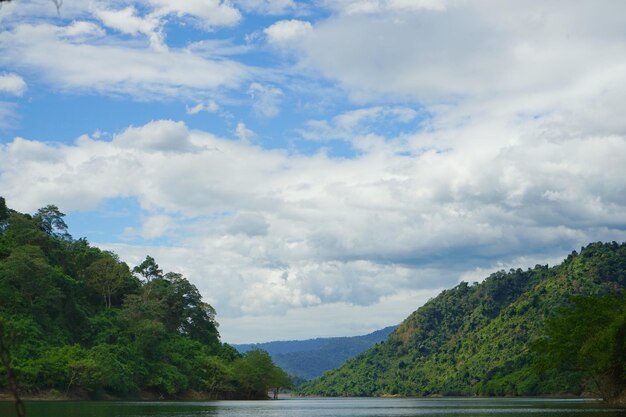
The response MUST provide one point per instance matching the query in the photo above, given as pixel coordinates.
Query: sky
(319, 168)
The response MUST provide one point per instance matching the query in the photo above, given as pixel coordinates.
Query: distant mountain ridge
(308, 359)
(477, 339)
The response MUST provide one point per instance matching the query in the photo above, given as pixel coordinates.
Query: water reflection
(325, 407)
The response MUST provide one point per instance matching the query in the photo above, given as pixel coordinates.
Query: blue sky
(319, 168)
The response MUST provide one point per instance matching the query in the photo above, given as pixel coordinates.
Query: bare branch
(57, 4)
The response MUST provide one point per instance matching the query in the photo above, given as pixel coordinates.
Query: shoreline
(54, 395)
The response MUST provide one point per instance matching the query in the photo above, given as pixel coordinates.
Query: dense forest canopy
(78, 320)
(559, 330)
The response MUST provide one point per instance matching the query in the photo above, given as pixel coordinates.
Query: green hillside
(475, 339)
(79, 322)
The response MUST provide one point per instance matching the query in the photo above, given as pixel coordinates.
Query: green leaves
(476, 339)
(77, 320)
(589, 337)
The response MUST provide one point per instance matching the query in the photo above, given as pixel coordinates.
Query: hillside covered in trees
(77, 320)
(558, 330)
(308, 359)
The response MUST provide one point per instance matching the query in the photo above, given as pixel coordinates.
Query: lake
(323, 407)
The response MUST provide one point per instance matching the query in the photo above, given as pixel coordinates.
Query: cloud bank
(411, 144)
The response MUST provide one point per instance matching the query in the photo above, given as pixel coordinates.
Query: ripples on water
(325, 407)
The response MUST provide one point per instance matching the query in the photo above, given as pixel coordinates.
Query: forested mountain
(308, 359)
(481, 339)
(77, 320)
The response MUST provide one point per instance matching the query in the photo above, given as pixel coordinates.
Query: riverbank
(82, 395)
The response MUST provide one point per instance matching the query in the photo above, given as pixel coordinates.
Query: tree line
(78, 320)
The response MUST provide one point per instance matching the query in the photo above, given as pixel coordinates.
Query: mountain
(476, 339)
(308, 359)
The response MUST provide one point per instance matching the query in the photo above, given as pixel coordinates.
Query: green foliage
(257, 374)
(476, 339)
(590, 337)
(76, 319)
(4, 211)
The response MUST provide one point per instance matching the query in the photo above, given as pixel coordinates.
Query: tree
(257, 374)
(30, 280)
(590, 337)
(186, 312)
(107, 275)
(4, 212)
(148, 269)
(51, 222)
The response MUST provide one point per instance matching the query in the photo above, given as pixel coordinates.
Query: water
(323, 407)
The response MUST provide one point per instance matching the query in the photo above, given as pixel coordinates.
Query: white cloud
(378, 6)
(340, 319)
(12, 84)
(79, 32)
(160, 135)
(265, 231)
(209, 107)
(209, 13)
(152, 227)
(127, 21)
(467, 50)
(285, 32)
(157, 226)
(243, 133)
(113, 68)
(265, 99)
(362, 121)
(520, 155)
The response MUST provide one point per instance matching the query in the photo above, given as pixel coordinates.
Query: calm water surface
(323, 407)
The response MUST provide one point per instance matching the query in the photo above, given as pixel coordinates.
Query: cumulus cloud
(12, 84)
(160, 135)
(79, 31)
(285, 32)
(127, 21)
(490, 134)
(467, 50)
(266, 229)
(157, 226)
(346, 319)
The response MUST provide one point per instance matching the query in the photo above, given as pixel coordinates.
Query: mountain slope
(474, 339)
(308, 359)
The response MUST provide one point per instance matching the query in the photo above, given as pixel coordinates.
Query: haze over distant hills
(310, 358)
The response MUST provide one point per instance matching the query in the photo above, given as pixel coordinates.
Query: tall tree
(186, 312)
(4, 211)
(148, 269)
(51, 222)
